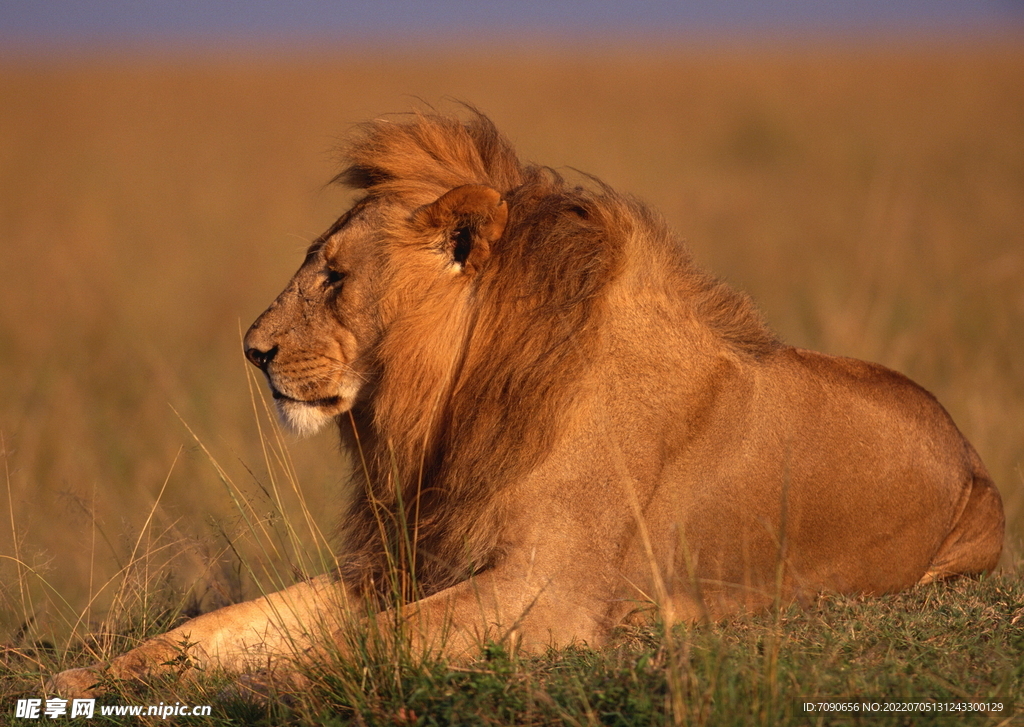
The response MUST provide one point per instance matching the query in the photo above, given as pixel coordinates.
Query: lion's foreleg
(258, 634)
(490, 608)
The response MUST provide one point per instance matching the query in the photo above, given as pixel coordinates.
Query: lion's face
(312, 341)
(367, 276)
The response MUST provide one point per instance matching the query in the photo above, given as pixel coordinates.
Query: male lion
(558, 419)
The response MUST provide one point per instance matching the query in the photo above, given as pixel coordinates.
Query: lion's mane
(456, 418)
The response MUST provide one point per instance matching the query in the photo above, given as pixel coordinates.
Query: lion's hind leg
(975, 543)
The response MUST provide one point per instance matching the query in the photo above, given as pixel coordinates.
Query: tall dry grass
(870, 198)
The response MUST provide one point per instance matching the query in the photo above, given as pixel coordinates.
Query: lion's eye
(333, 278)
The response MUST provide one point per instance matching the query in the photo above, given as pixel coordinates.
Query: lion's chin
(305, 419)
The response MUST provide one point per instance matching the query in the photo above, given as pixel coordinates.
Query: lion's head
(395, 274)
(382, 269)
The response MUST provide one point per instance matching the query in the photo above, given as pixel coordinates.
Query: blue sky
(56, 23)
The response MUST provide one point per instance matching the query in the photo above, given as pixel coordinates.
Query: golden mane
(454, 419)
(428, 152)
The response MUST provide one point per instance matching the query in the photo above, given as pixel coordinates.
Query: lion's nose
(260, 359)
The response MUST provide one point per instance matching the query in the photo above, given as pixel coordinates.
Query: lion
(562, 424)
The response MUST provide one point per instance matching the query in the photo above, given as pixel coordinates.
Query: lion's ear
(471, 217)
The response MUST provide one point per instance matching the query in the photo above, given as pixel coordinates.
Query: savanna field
(869, 196)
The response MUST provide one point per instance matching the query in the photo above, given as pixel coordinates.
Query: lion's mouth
(325, 402)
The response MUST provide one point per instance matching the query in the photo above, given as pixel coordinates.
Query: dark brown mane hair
(457, 417)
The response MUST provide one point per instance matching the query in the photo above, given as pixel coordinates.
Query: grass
(940, 644)
(870, 198)
(755, 670)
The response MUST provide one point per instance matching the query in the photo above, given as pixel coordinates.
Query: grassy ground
(870, 198)
(955, 646)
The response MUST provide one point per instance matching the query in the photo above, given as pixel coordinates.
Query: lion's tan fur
(557, 417)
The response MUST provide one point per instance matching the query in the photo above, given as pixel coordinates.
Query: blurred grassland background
(870, 197)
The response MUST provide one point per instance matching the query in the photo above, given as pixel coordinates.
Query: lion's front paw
(72, 683)
(156, 657)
